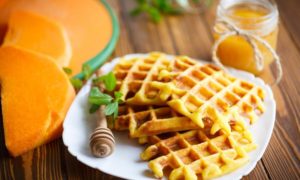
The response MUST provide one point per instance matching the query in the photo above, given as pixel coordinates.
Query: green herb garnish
(118, 96)
(98, 98)
(109, 81)
(156, 8)
(112, 108)
(87, 71)
(94, 108)
(76, 82)
(67, 70)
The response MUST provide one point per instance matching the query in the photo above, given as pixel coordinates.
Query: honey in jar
(258, 17)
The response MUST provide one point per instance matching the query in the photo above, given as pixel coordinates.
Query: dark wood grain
(189, 35)
(290, 14)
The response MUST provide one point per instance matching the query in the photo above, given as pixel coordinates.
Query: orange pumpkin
(40, 34)
(35, 97)
(87, 22)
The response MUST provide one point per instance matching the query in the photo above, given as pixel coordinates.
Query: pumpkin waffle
(175, 67)
(135, 75)
(237, 124)
(150, 120)
(206, 86)
(196, 154)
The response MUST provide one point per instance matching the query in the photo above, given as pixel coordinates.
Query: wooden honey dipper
(102, 141)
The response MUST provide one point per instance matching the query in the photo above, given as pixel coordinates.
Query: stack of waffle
(191, 115)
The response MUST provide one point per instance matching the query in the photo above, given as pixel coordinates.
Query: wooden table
(189, 35)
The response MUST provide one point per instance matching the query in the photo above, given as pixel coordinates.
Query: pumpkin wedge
(87, 22)
(35, 97)
(38, 33)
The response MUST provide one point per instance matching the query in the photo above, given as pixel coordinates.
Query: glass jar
(257, 17)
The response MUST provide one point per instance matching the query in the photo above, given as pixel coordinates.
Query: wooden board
(189, 35)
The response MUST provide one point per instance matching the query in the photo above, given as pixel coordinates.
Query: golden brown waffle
(196, 154)
(210, 127)
(206, 86)
(134, 77)
(175, 67)
(150, 120)
(201, 133)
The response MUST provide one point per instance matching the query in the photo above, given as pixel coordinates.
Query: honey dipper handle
(102, 140)
(101, 122)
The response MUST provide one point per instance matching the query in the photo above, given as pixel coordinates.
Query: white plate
(125, 161)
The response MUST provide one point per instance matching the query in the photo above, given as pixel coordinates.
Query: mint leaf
(116, 112)
(95, 92)
(111, 108)
(94, 108)
(98, 98)
(109, 81)
(154, 14)
(102, 99)
(87, 71)
(97, 80)
(77, 83)
(67, 70)
(118, 96)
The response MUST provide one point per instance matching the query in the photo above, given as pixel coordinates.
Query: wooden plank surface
(189, 35)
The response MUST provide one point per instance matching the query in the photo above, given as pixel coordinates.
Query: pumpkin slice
(38, 33)
(35, 97)
(87, 22)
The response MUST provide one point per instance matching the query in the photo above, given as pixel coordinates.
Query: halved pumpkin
(40, 34)
(88, 23)
(35, 97)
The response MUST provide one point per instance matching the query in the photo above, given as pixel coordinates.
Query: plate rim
(251, 164)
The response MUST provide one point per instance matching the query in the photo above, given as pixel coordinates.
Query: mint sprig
(109, 81)
(98, 98)
(67, 70)
(76, 82)
(112, 108)
(94, 108)
(118, 96)
(87, 71)
(155, 9)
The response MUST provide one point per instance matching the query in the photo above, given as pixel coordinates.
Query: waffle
(206, 86)
(144, 121)
(192, 115)
(197, 154)
(175, 67)
(134, 77)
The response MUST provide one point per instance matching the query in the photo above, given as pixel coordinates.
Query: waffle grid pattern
(195, 153)
(192, 115)
(201, 88)
(150, 120)
(134, 77)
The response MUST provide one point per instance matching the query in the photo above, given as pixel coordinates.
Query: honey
(258, 17)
